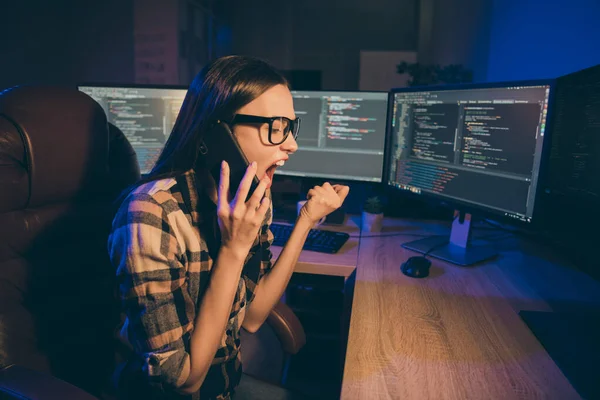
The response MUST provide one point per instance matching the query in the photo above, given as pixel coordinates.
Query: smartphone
(220, 144)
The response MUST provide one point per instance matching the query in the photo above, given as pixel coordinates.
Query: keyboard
(318, 240)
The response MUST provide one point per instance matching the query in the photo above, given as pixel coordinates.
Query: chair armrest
(287, 327)
(23, 383)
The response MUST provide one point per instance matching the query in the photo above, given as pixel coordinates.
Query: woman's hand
(323, 200)
(239, 220)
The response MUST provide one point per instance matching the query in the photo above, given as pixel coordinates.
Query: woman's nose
(290, 145)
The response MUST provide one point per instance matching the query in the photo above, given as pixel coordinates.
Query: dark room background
(154, 41)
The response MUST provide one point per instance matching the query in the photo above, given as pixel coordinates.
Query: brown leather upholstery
(266, 353)
(61, 166)
(287, 327)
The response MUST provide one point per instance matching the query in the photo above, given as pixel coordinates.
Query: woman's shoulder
(155, 188)
(150, 195)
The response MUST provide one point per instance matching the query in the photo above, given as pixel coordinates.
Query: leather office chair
(61, 166)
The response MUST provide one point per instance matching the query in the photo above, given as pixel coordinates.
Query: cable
(515, 231)
(425, 234)
(494, 237)
(391, 234)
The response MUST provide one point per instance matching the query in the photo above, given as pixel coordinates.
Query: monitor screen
(342, 135)
(474, 146)
(146, 116)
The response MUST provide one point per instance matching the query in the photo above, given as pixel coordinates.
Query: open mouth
(271, 170)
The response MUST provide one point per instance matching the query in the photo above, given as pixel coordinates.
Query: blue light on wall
(535, 39)
(224, 40)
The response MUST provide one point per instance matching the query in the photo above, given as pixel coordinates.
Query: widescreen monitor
(342, 135)
(144, 114)
(476, 147)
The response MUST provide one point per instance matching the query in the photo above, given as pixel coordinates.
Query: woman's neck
(208, 184)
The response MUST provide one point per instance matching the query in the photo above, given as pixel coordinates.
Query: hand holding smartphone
(219, 144)
(240, 221)
(242, 204)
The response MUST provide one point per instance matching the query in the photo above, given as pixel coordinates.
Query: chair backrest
(61, 167)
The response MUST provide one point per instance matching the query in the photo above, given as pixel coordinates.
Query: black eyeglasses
(279, 127)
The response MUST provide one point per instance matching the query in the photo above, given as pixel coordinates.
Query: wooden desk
(343, 263)
(455, 334)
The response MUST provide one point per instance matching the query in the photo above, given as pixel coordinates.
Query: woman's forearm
(271, 287)
(212, 318)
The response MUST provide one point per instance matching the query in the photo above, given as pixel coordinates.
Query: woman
(193, 265)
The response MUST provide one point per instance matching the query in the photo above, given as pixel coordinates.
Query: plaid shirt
(164, 241)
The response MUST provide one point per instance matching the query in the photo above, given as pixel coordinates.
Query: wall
(101, 38)
(262, 28)
(323, 35)
(378, 69)
(329, 36)
(32, 43)
(455, 32)
(156, 41)
(66, 42)
(503, 40)
(542, 39)
(70, 41)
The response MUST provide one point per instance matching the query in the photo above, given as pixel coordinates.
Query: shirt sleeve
(266, 240)
(153, 289)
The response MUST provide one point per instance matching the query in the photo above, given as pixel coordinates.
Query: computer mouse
(416, 267)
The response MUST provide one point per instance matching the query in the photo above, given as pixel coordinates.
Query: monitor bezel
(467, 207)
(130, 86)
(348, 179)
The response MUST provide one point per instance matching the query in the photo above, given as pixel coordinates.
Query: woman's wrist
(232, 255)
(304, 223)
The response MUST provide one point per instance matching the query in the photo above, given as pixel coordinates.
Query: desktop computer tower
(571, 192)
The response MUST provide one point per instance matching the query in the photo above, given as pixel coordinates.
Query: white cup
(301, 204)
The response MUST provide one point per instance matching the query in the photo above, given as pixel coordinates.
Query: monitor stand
(458, 249)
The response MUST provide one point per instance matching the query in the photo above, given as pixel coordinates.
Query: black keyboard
(318, 240)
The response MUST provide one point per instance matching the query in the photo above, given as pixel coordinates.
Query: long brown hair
(220, 89)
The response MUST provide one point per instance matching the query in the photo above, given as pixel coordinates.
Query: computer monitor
(574, 160)
(145, 114)
(571, 194)
(475, 147)
(342, 135)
